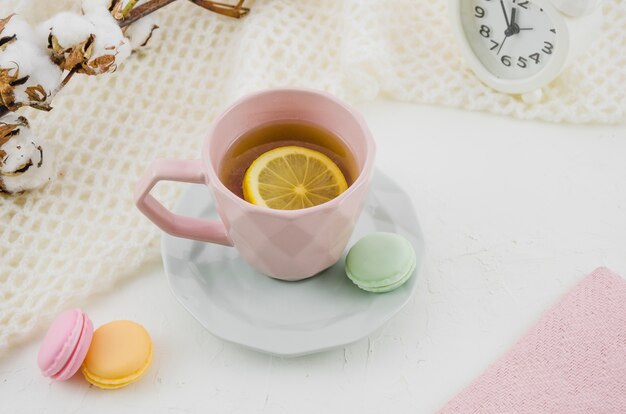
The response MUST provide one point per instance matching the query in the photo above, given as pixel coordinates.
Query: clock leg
(533, 97)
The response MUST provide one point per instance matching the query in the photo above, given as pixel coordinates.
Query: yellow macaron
(120, 353)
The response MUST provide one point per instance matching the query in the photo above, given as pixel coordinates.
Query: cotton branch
(129, 14)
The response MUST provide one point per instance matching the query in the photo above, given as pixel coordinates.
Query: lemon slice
(292, 177)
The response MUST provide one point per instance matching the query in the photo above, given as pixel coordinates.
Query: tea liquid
(263, 138)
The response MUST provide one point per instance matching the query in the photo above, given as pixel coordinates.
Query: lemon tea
(263, 138)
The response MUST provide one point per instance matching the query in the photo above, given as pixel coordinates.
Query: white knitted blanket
(81, 233)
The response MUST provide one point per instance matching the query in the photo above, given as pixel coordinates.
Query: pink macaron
(65, 345)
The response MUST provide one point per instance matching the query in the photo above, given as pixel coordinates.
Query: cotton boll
(92, 44)
(141, 32)
(38, 172)
(68, 37)
(28, 58)
(36, 76)
(109, 41)
(24, 165)
(69, 29)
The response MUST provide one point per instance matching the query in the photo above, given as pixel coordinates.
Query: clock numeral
(535, 57)
(548, 48)
(480, 12)
(521, 62)
(485, 31)
(495, 45)
(523, 4)
(506, 60)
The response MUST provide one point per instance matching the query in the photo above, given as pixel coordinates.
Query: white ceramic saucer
(241, 305)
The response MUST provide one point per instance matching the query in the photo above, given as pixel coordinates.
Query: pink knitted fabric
(572, 361)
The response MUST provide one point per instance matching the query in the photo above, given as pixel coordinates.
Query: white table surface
(514, 214)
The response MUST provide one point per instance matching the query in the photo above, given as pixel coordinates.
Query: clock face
(513, 39)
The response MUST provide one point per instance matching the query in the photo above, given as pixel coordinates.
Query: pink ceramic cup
(284, 244)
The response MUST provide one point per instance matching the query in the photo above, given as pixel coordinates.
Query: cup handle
(190, 171)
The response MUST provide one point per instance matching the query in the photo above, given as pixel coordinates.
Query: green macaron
(381, 262)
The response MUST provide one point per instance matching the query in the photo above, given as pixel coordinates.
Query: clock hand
(506, 17)
(502, 44)
(525, 28)
(513, 28)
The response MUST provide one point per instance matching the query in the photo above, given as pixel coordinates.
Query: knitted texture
(572, 361)
(81, 233)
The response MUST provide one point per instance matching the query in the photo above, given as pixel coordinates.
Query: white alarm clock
(519, 46)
